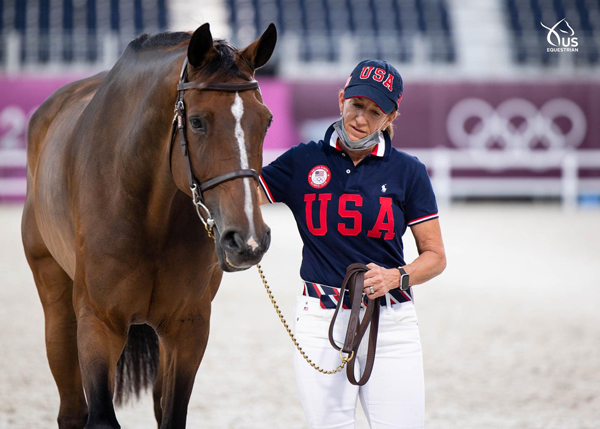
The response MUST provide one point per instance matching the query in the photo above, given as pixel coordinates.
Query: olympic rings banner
(506, 121)
(488, 139)
(480, 116)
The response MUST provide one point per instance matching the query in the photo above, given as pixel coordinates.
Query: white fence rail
(568, 186)
(12, 187)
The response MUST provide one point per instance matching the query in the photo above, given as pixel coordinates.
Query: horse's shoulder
(72, 92)
(59, 104)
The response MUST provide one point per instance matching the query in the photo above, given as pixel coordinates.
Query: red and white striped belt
(330, 296)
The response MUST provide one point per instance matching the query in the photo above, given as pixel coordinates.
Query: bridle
(179, 125)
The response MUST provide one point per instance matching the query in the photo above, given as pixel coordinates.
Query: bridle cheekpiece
(179, 125)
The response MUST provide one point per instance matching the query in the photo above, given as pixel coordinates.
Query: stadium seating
(72, 31)
(386, 29)
(427, 34)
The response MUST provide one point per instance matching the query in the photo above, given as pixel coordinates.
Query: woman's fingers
(374, 278)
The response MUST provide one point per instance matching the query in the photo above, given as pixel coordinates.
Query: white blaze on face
(238, 111)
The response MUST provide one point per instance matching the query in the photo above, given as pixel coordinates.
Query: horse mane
(221, 65)
(167, 39)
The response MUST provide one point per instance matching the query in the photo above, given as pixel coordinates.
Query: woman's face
(362, 117)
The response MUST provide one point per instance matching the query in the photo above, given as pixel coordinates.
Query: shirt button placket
(348, 171)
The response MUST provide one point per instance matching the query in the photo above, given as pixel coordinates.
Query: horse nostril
(232, 241)
(266, 241)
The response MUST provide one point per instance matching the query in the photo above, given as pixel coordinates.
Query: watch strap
(403, 274)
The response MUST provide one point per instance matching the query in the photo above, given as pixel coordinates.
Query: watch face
(404, 282)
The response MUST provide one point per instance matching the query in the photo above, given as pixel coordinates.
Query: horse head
(225, 129)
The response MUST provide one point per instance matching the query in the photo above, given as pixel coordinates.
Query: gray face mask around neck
(362, 144)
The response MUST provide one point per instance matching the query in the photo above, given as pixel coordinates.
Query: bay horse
(124, 268)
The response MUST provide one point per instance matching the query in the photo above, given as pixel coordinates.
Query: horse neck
(147, 95)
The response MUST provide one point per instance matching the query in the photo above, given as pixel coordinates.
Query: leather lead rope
(354, 283)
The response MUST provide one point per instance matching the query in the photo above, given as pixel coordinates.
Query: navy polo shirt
(346, 213)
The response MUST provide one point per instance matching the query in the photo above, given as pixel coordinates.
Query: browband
(213, 86)
(224, 87)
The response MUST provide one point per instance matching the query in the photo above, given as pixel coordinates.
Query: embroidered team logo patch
(319, 176)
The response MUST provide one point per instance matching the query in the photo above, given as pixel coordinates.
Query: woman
(353, 195)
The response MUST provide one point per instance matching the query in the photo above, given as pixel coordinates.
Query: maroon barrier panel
(487, 117)
(521, 133)
(432, 114)
(20, 97)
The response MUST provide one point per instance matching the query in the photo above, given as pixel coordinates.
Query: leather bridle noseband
(179, 124)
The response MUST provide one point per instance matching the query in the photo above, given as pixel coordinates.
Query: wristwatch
(403, 279)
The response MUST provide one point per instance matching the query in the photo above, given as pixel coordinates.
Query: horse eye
(269, 123)
(196, 123)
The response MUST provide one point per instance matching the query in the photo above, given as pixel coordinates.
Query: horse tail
(138, 365)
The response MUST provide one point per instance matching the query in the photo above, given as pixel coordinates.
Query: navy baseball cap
(378, 81)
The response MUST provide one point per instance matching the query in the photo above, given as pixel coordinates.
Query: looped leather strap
(221, 87)
(354, 283)
(249, 172)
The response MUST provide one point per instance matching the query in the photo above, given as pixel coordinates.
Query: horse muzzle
(239, 251)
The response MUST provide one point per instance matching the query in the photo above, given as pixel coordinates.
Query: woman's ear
(341, 97)
(391, 118)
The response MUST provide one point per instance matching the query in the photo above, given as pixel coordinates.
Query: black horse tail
(138, 365)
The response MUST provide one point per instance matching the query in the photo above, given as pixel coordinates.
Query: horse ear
(259, 52)
(200, 46)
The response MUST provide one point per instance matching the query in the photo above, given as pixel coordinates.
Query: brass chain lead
(345, 360)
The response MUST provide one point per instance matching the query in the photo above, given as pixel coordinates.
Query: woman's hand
(381, 280)
(430, 262)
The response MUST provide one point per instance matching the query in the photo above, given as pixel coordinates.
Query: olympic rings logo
(516, 125)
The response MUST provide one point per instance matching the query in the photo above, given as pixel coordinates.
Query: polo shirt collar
(331, 137)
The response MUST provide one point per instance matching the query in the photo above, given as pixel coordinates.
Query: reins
(354, 282)
(179, 124)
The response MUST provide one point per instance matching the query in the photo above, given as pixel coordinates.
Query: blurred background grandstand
(320, 37)
(501, 99)
(449, 38)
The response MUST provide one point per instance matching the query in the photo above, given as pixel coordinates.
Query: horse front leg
(184, 346)
(55, 289)
(100, 345)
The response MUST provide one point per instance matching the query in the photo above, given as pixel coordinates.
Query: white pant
(394, 396)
